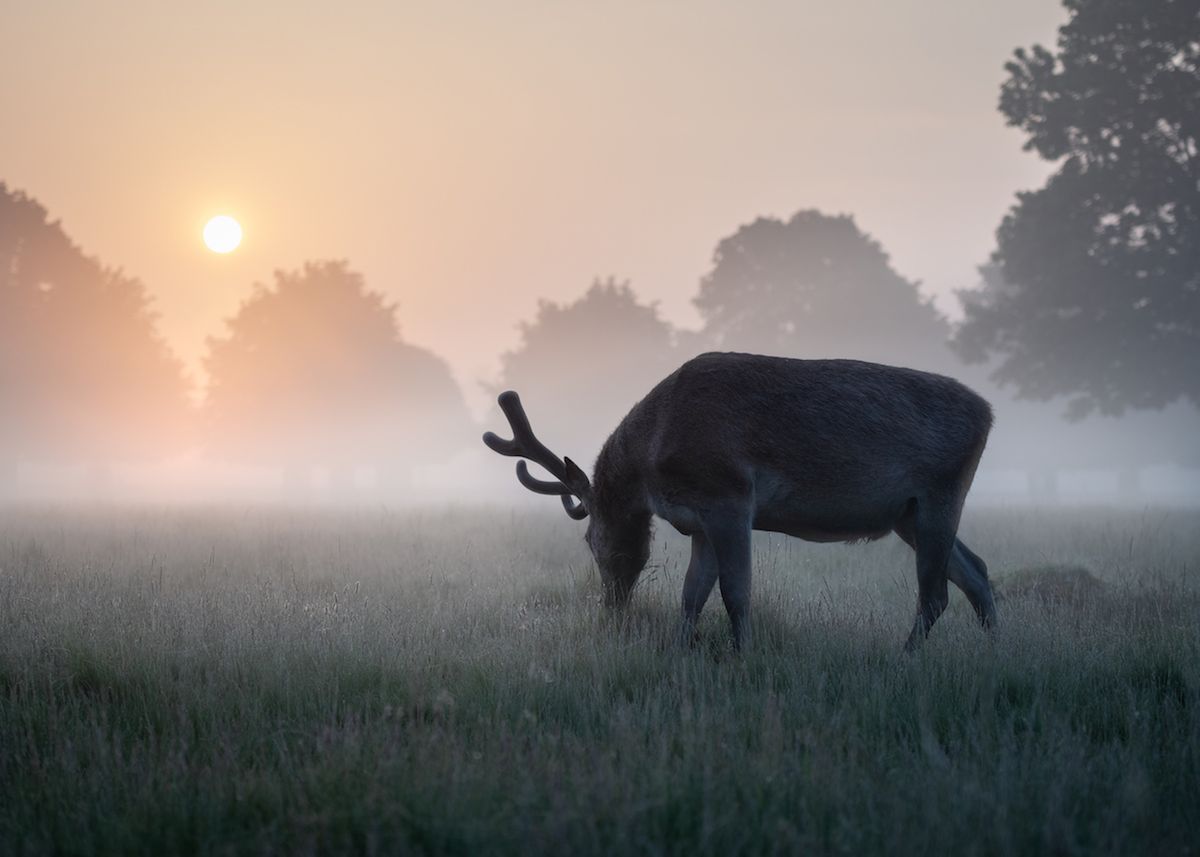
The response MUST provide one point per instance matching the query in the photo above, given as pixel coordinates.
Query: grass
(445, 682)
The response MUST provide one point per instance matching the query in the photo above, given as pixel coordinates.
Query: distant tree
(816, 286)
(84, 375)
(581, 366)
(1031, 431)
(1094, 289)
(312, 371)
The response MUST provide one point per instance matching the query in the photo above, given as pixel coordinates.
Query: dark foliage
(1094, 289)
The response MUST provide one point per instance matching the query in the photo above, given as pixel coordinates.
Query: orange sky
(471, 157)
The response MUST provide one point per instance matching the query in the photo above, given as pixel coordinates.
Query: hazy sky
(469, 158)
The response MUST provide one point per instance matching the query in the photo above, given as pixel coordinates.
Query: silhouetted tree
(816, 286)
(1094, 289)
(1032, 433)
(581, 366)
(84, 375)
(312, 371)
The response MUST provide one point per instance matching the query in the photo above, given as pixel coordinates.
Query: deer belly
(823, 527)
(812, 534)
(820, 516)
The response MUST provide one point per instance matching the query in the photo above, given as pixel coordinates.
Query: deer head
(618, 539)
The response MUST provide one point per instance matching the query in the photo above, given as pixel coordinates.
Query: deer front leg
(697, 586)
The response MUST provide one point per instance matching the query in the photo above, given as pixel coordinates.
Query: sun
(222, 234)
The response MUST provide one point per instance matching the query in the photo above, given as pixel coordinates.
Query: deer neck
(618, 484)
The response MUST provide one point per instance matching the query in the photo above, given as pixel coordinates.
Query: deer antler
(571, 481)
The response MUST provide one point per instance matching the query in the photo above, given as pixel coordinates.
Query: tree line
(1092, 296)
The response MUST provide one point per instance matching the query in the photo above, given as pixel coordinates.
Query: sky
(471, 158)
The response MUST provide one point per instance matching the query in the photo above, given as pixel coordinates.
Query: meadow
(445, 682)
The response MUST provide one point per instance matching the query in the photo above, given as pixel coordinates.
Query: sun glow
(222, 234)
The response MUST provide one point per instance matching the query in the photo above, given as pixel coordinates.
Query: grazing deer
(824, 450)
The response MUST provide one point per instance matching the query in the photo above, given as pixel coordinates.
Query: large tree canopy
(312, 371)
(84, 374)
(1094, 290)
(581, 366)
(816, 286)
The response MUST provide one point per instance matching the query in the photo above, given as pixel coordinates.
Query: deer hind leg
(969, 573)
(729, 534)
(929, 529)
(965, 570)
(697, 585)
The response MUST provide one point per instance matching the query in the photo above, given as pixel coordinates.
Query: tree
(1094, 288)
(581, 366)
(312, 371)
(84, 374)
(816, 286)
(1033, 434)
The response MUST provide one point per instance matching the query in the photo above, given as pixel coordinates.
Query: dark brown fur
(824, 450)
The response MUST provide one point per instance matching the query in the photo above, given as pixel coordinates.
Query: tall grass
(445, 682)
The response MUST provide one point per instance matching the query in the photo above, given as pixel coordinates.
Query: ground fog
(283, 682)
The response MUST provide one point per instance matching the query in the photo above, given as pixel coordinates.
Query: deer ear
(577, 480)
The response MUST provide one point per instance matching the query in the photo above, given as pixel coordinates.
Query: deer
(821, 450)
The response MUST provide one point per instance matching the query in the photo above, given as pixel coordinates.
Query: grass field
(444, 682)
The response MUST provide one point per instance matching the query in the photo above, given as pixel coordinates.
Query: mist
(311, 395)
(316, 318)
(441, 205)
